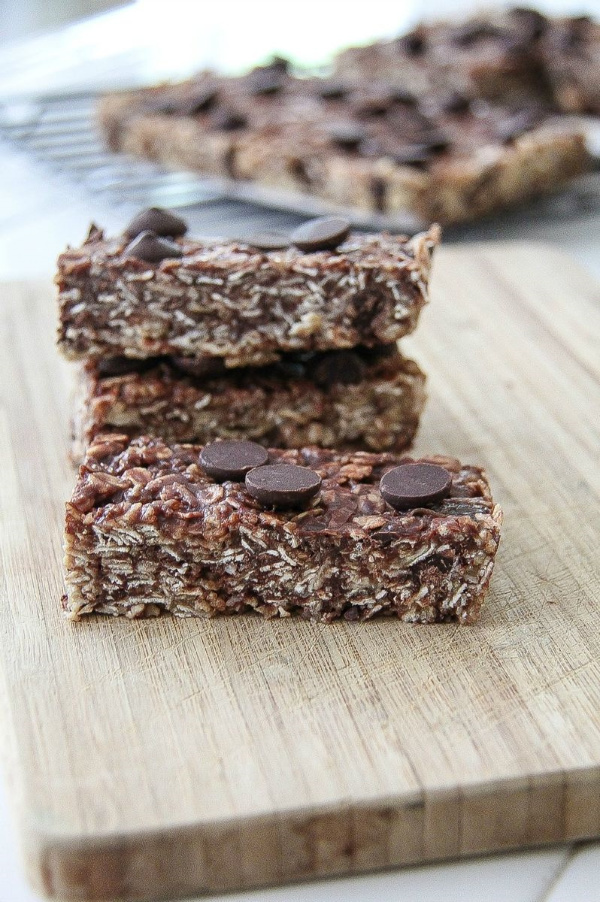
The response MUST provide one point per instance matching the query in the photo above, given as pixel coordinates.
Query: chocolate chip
(517, 124)
(436, 141)
(232, 460)
(346, 135)
(471, 32)
(399, 95)
(413, 43)
(121, 366)
(166, 104)
(413, 155)
(199, 367)
(290, 366)
(199, 101)
(228, 120)
(333, 90)
(324, 233)
(374, 105)
(413, 485)
(467, 34)
(156, 220)
(152, 249)
(280, 63)
(269, 241)
(338, 367)
(530, 22)
(283, 485)
(453, 102)
(267, 79)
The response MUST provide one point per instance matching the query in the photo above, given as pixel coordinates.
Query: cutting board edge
(237, 854)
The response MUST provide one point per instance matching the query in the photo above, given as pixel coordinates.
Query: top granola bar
(231, 300)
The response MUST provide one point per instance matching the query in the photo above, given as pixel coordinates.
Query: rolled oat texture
(148, 531)
(229, 300)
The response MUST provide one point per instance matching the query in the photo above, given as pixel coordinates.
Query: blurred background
(55, 58)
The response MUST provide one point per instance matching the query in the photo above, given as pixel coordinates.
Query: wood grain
(163, 758)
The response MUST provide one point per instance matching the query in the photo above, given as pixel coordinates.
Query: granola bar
(394, 144)
(363, 398)
(234, 301)
(317, 532)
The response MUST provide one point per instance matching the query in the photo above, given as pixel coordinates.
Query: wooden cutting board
(160, 758)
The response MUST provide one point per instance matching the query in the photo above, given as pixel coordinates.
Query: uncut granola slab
(231, 300)
(149, 530)
(363, 398)
(426, 154)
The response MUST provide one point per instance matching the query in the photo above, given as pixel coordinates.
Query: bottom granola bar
(327, 535)
(370, 398)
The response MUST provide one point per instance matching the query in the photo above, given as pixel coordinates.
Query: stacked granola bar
(190, 351)
(287, 340)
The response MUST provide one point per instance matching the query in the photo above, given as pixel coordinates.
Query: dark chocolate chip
(324, 233)
(148, 246)
(403, 97)
(267, 80)
(283, 485)
(413, 43)
(156, 220)
(374, 105)
(436, 141)
(278, 62)
(199, 367)
(269, 241)
(341, 367)
(200, 100)
(228, 120)
(453, 102)
(333, 90)
(413, 155)
(346, 135)
(414, 485)
(530, 22)
(121, 366)
(232, 460)
(517, 124)
(471, 32)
